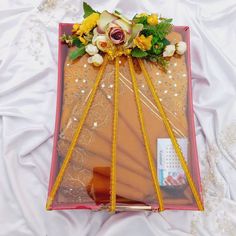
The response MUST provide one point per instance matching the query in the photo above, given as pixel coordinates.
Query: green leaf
(165, 42)
(164, 28)
(117, 12)
(154, 39)
(76, 41)
(78, 52)
(136, 52)
(140, 20)
(87, 10)
(150, 30)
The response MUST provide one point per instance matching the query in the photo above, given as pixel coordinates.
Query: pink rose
(116, 35)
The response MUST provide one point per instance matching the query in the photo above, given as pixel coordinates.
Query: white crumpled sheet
(28, 77)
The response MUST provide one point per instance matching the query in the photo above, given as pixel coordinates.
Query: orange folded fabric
(87, 177)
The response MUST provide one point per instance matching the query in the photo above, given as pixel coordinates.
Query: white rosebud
(91, 49)
(102, 42)
(96, 60)
(181, 47)
(169, 51)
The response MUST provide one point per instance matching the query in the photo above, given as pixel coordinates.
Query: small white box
(170, 172)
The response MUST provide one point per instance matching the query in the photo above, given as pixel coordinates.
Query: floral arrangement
(142, 37)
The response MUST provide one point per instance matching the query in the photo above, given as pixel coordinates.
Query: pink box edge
(195, 161)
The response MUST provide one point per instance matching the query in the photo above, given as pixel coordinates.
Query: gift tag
(170, 172)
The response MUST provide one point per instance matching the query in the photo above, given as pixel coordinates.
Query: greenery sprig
(142, 37)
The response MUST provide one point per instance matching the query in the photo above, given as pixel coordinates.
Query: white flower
(95, 32)
(102, 42)
(91, 49)
(96, 60)
(169, 51)
(181, 47)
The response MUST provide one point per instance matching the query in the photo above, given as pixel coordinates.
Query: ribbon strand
(61, 173)
(172, 136)
(114, 137)
(145, 136)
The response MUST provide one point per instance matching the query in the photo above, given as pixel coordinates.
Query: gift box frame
(62, 53)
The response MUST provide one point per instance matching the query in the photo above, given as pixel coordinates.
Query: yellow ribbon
(114, 137)
(145, 136)
(76, 136)
(172, 136)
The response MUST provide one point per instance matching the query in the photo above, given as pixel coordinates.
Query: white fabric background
(28, 76)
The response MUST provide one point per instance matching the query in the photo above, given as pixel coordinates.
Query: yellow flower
(144, 43)
(152, 19)
(117, 52)
(88, 24)
(83, 40)
(127, 51)
(114, 52)
(75, 27)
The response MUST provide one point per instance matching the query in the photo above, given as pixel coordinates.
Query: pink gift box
(62, 53)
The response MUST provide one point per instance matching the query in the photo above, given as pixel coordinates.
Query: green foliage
(157, 49)
(78, 52)
(76, 41)
(117, 12)
(136, 52)
(158, 46)
(159, 41)
(140, 27)
(88, 10)
(158, 31)
(140, 20)
(165, 42)
(67, 39)
(162, 62)
(163, 28)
